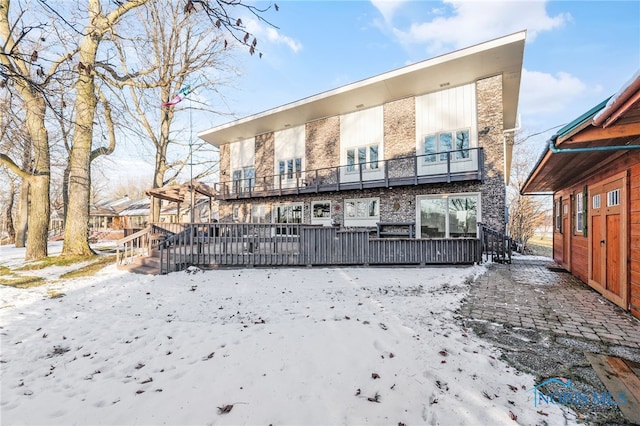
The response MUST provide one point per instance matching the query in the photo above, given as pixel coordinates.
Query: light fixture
(486, 130)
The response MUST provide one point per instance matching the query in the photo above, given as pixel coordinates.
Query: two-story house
(427, 144)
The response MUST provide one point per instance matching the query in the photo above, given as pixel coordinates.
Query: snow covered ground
(326, 346)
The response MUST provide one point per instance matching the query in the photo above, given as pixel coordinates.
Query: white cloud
(275, 37)
(263, 32)
(387, 8)
(473, 22)
(542, 93)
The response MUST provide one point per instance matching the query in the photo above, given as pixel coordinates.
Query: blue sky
(577, 52)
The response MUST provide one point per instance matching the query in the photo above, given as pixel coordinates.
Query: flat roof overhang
(500, 56)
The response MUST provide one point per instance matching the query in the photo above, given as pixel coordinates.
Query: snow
(280, 346)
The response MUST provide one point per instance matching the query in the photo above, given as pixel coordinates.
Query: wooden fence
(223, 244)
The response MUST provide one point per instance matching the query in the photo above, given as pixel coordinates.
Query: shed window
(613, 198)
(579, 212)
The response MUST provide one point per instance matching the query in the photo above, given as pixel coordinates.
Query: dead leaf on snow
(512, 416)
(375, 398)
(225, 409)
(375, 376)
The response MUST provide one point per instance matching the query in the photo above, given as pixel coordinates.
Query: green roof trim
(584, 117)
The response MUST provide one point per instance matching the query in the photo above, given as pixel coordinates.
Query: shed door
(566, 233)
(607, 245)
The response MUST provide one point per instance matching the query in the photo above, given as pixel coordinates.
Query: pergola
(179, 193)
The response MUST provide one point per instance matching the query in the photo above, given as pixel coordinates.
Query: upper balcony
(440, 167)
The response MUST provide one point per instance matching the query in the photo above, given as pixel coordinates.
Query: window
(243, 180)
(321, 209)
(596, 201)
(613, 198)
(321, 212)
(366, 156)
(579, 212)
(290, 169)
(288, 213)
(557, 206)
(236, 212)
(362, 212)
(260, 214)
(443, 143)
(363, 208)
(448, 216)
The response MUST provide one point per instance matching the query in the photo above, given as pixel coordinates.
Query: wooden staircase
(147, 265)
(139, 252)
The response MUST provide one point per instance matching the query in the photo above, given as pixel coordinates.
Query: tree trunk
(39, 212)
(65, 193)
(39, 205)
(161, 154)
(22, 214)
(9, 214)
(76, 230)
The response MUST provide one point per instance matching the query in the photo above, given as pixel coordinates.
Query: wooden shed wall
(579, 250)
(634, 239)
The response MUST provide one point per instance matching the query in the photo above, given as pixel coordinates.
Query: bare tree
(26, 79)
(7, 229)
(185, 55)
(527, 214)
(102, 26)
(24, 46)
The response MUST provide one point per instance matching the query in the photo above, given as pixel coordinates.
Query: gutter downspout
(552, 148)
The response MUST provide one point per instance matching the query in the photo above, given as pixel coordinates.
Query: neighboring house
(428, 144)
(105, 215)
(592, 168)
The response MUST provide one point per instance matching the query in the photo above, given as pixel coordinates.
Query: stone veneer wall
(490, 115)
(396, 204)
(400, 128)
(322, 143)
(265, 157)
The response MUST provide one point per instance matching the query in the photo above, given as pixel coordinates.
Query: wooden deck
(305, 245)
(178, 246)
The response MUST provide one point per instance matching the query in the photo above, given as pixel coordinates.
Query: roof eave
(500, 56)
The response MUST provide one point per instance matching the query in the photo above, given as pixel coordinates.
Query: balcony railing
(440, 167)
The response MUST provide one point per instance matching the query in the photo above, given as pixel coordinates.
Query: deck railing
(143, 242)
(226, 244)
(495, 245)
(450, 166)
